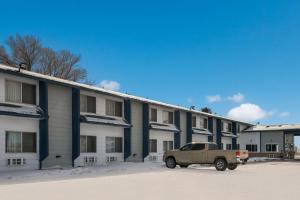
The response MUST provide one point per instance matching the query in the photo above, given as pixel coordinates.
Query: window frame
(115, 143)
(21, 142)
(204, 125)
(21, 92)
(228, 145)
(251, 149)
(276, 145)
(168, 114)
(114, 108)
(169, 145)
(87, 103)
(194, 121)
(150, 146)
(86, 143)
(151, 115)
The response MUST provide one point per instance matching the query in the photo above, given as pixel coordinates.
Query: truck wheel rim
(220, 164)
(170, 162)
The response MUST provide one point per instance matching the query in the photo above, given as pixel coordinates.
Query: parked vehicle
(205, 153)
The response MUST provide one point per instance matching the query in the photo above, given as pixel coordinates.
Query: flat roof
(279, 127)
(31, 74)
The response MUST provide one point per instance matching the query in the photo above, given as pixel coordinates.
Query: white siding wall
(136, 132)
(199, 138)
(101, 132)
(22, 125)
(4, 77)
(160, 136)
(160, 110)
(101, 101)
(226, 140)
(183, 128)
(250, 138)
(60, 127)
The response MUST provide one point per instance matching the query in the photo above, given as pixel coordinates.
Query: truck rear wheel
(232, 166)
(221, 164)
(170, 163)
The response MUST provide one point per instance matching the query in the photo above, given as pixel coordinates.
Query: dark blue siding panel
(234, 132)
(210, 128)
(219, 133)
(177, 142)
(145, 130)
(189, 130)
(75, 124)
(127, 131)
(44, 123)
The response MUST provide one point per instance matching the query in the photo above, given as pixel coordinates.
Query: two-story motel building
(48, 122)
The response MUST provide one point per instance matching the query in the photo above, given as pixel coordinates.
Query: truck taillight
(238, 154)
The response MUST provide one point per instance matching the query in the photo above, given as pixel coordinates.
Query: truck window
(198, 147)
(212, 147)
(187, 147)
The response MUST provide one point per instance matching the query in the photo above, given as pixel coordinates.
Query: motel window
(228, 146)
(153, 146)
(271, 147)
(87, 104)
(114, 108)
(153, 116)
(194, 121)
(168, 117)
(226, 127)
(222, 145)
(204, 123)
(167, 145)
(18, 92)
(238, 146)
(251, 147)
(114, 144)
(20, 142)
(88, 144)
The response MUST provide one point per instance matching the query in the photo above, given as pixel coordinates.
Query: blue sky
(181, 52)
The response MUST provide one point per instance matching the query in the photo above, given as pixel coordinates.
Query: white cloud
(247, 112)
(110, 85)
(214, 98)
(237, 98)
(284, 114)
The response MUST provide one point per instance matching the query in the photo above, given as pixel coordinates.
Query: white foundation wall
(18, 124)
(4, 77)
(226, 140)
(249, 138)
(101, 131)
(199, 138)
(160, 136)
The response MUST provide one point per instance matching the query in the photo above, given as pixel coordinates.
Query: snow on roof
(280, 127)
(8, 69)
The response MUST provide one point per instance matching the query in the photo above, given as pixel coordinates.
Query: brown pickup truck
(205, 153)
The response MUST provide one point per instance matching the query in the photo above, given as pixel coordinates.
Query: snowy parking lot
(271, 180)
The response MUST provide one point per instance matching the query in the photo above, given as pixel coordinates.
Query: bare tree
(4, 57)
(29, 50)
(24, 49)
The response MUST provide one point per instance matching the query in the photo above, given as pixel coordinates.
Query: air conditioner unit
(111, 159)
(152, 158)
(90, 160)
(16, 161)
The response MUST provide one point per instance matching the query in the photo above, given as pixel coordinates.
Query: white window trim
(36, 148)
(20, 104)
(114, 108)
(277, 147)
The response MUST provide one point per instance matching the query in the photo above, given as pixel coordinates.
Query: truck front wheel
(221, 164)
(170, 163)
(232, 166)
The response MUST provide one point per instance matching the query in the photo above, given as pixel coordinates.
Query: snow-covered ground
(270, 180)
